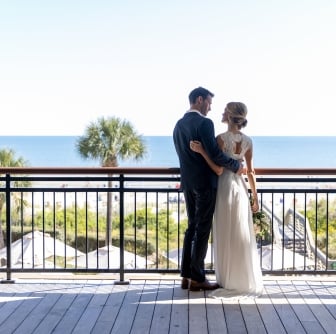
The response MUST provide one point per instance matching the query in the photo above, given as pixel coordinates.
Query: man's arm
(196, 146)
(215, 153)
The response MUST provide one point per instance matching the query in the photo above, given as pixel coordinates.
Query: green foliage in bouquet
(262, 225)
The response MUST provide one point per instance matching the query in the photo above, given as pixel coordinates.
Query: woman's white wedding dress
(237, 265)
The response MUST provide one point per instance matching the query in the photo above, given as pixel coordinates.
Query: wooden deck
(158, 305)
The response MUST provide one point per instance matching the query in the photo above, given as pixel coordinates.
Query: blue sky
(65, 63)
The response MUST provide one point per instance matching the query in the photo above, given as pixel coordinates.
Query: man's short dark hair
(200, 91)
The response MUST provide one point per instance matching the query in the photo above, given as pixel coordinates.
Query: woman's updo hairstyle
(237, 112)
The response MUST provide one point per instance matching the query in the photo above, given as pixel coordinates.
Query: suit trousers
(200, 205)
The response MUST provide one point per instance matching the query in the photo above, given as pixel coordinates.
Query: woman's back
(235, 144)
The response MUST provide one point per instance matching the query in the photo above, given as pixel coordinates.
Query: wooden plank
(4, 296)
(41, 313)
(234, 318)
(144, 315)
(312, 294)
(283, 308)
(215, 316)
(74, 312)
(302, 311)
(269, 315)
(65, 289)
(32, 322)
(93, 309)
(180, 315)
(163, 308)
(329, 298)
(251, 316)
(56, 313)
(124, 321)
(12, 302)
(197, 312)
(110, 310)
(24, 310)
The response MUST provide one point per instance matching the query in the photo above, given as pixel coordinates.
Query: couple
(225, 198)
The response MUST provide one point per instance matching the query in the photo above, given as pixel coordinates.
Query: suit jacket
(195, 172)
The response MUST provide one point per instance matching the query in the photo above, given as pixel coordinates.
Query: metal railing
(125, 220)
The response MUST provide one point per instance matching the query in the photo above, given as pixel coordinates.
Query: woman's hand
(255, 206)
(196, 146)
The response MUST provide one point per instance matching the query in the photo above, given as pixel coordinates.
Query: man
(199, 184)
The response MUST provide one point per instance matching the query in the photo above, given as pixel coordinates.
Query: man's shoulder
(196, 121)
(206, 123)
(192, 117)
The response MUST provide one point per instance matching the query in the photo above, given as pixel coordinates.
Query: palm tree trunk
(108, 240)
(2, 240)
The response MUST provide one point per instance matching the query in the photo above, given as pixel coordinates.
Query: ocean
(268, 152)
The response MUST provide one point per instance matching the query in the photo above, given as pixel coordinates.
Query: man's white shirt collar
(194, 110)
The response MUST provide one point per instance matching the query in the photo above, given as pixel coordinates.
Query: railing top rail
(295, 171)
(153, 170)
(89, 170)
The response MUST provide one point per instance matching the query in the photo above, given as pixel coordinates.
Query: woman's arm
(196, 146)
(252, 180)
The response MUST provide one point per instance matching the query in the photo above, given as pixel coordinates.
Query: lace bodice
(236, 145)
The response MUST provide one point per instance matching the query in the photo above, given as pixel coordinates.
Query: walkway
(158, 305)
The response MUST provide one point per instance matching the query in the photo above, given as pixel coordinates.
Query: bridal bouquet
(262, 225)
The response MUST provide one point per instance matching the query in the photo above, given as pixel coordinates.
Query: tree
(107, 140)
(8, 159)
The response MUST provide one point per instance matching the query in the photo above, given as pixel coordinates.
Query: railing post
(8, 231)
(122, 231)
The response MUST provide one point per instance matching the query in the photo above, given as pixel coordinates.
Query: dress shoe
(185, 283)
(206, 285)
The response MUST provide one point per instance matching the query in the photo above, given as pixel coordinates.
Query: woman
(236, 258)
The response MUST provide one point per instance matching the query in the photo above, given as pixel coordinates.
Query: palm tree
(8, 159)
(107, 140)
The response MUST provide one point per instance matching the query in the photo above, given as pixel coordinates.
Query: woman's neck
(233, 128)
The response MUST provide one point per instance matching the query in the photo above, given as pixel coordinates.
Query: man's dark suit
(199, 185)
